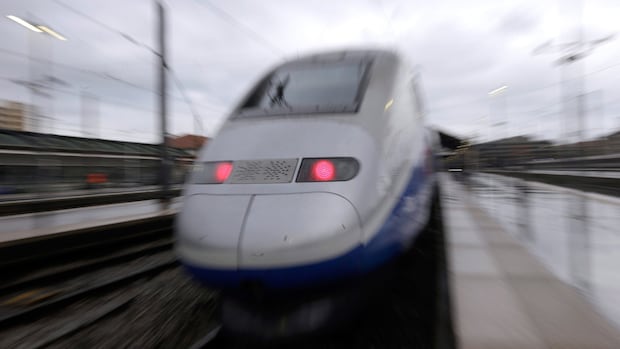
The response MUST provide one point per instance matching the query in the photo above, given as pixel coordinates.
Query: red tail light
(212, 172)
(327, 170)
(323, 170)
(223, 171)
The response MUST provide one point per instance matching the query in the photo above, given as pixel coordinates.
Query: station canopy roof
(10, 139)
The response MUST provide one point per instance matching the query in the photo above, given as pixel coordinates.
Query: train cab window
(322, 87)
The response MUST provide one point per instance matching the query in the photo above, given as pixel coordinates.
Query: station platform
(502, 296)
(18, 228)
(579, 173)
(60, 192)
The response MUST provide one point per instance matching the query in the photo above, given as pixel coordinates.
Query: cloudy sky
(217, 49)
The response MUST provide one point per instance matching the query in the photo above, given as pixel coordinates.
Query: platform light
(52, 33)
(498, 90)
(24, 23)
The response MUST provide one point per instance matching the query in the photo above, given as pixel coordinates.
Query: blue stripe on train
(399, 228)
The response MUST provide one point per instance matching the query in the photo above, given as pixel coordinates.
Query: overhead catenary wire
(184, 97)
(516, 94)
(536, 110)
(242, 26)
(48, 61)
(93, 73)
(197, 117)
(526, 92)
(227, 16)
(109, 28)
(98, 74)
(78, 94)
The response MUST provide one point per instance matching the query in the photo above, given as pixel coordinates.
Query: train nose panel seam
(242, 231)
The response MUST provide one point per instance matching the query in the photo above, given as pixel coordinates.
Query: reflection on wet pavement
(575, 234)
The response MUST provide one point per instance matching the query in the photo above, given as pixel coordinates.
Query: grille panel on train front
(263, 171)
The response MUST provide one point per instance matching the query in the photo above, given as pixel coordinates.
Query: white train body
(324, 171)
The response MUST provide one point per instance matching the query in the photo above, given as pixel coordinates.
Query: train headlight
(327, 169)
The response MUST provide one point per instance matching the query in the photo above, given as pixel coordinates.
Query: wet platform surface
(503, 294)
(579, 173)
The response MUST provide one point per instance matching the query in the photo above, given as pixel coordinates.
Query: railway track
(73, 327)
(46, 278)
(24, 256)
(35, 304)
(43, 283)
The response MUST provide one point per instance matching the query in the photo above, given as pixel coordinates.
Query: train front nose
(297, 239)
(208, 230)
(278, 241)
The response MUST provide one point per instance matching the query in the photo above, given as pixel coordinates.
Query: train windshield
(309, 88)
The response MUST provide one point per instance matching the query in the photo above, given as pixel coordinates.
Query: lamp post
(163, 105)
(35, 86)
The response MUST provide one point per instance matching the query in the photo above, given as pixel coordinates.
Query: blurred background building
(189, 143)
(13, 116)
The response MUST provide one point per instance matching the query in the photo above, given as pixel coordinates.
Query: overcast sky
(217, 49)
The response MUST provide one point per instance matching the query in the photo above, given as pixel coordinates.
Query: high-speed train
(323, 172)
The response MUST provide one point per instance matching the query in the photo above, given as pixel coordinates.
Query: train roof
(352, 54)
